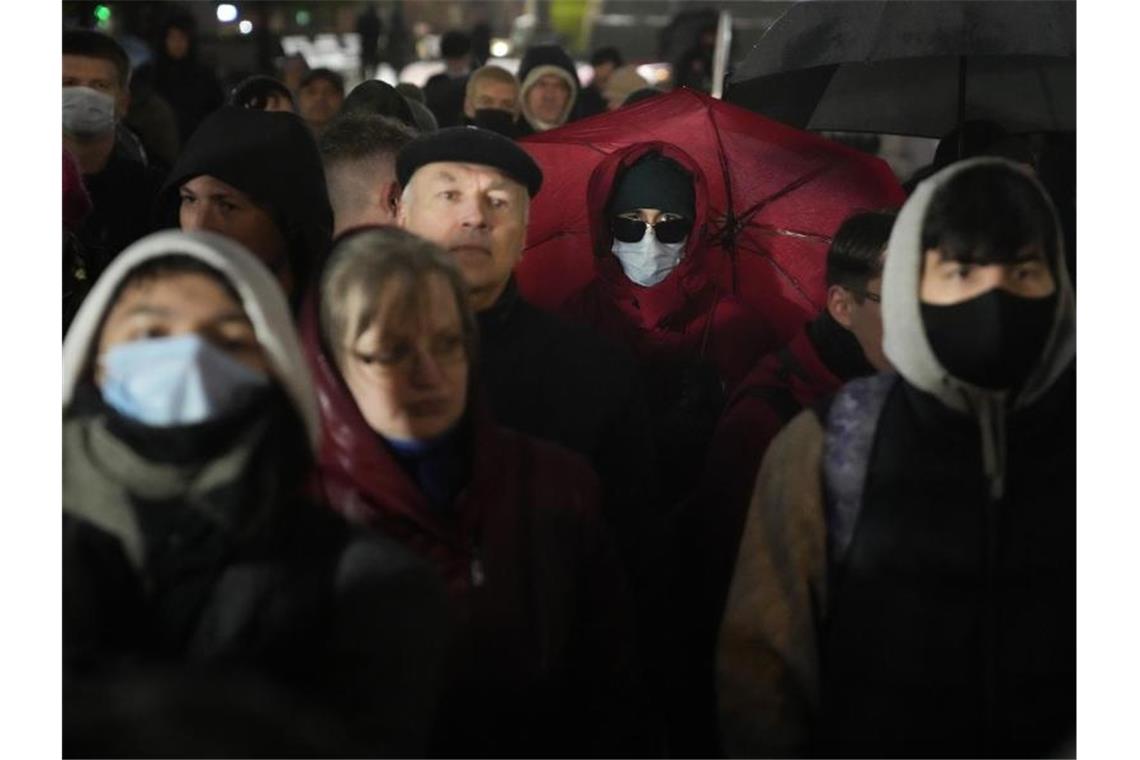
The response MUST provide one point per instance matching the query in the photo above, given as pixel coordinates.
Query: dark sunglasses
(633, 230)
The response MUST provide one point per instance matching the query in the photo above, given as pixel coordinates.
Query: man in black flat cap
(468, 190)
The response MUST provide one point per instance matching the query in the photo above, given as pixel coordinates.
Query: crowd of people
(333, 486)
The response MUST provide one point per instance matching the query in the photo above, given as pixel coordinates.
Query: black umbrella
(915, 68)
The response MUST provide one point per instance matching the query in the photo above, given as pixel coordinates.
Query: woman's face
(171, 305)
(407, 371)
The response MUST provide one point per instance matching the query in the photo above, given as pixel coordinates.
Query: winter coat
(919, 598)
(123, 198)
(538, 61)
(809, 369)
(694, 343)
(544, 662)
(554, 380)
(194, 555)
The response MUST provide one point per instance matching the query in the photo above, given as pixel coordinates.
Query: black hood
(273, 158)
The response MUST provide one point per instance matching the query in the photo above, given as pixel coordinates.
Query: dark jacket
(544, 662)
(812, 367)
(123, 196)
(554, 380)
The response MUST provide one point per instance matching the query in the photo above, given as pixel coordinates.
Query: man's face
(862, 314)
(491, 94)
(207, 203)
(476, 213)
(408, 370)
(318, 102)
(180, 304)
(946, 281)
(602, 74)
(547, 98)
(98, 74)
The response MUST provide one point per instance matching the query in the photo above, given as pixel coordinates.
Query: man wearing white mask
(96, 73)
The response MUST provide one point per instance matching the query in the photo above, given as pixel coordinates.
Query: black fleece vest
(951, 620)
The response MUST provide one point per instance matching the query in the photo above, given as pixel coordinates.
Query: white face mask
(648, 261)
(87, 112)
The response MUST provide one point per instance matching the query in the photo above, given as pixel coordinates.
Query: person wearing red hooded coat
(543, 663)
(653, 292)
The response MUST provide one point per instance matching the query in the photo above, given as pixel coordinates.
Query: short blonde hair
(362, 263)
(494, 74)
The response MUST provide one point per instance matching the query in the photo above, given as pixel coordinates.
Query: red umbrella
(776, 196)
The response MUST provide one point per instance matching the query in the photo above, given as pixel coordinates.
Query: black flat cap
(470, 145)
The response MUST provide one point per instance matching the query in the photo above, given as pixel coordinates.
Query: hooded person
(256, 177)
(544, 662)
(190, 543)
(906, 581)
(191, 88)
(549, 90)
(652, 293)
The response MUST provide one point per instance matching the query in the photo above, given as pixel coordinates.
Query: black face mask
(993, 340)
(496, 120)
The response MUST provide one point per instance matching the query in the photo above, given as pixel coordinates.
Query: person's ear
(840, 304)
(390, 197)
(469, 108)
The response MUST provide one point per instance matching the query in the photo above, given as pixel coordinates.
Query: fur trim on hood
(261, 299)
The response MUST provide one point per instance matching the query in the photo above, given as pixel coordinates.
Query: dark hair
(167, 266)
(91, 44)
(454, 44)
(607, 55)
(986, 214)
(255, 92)
(410, 91)
(856, 253)
(358, 135)
(330, 76)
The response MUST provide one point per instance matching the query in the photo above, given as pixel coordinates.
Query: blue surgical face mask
(183, 380)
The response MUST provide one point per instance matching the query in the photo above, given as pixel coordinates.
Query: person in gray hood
(906, 580)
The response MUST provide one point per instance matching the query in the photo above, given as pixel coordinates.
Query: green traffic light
(103, 13)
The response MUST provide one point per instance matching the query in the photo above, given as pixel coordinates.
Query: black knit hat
(470, 145)
(654, 182)
(380, 98)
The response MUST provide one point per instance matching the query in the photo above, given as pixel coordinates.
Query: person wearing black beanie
(255, 177)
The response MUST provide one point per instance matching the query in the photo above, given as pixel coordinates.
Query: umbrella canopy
(915, 68)
(775, 196)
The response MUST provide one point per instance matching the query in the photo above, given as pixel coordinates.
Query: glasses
(668, 231)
